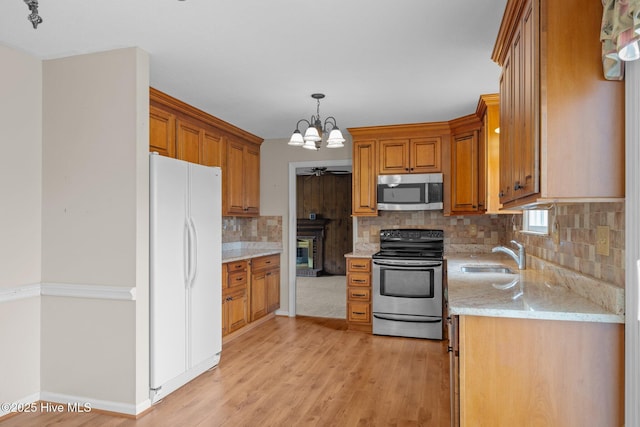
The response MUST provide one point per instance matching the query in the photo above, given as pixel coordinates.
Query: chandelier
(33, 17)
(312, 138)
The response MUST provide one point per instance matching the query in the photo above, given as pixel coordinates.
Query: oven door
(407, 298)
(407, 287)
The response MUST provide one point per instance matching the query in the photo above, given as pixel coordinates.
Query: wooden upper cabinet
(393, 155)
(464, 173)
(162, 132)
(364, 180)
(394, 149)
(242, 180)
(211, 149)
(488, 111)
(415, 155)
(425, 155)
(179, 130)
(466, 170)
(188, 141)
(559, 119)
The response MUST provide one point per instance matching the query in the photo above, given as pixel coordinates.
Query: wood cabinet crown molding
(512, 13)
(485, 101)
(401, 131)
(161, 98)
(466, 123)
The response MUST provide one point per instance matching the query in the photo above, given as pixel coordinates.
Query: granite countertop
(360, 254)
(529, 294)
(245, 250)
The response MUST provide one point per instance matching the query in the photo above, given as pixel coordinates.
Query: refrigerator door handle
(186, 245)
(193, 252)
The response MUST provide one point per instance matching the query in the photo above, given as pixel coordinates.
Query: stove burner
(411, 244)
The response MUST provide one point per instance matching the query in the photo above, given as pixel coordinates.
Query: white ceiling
(255, 63)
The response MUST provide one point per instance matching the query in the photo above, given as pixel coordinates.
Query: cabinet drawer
(358, 279)
(236, 266)
(262, 263)
(359, 312)
(237, 278)
(358, 264)
(359, 294)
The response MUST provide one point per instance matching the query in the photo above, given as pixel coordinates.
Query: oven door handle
(419, 264)
(407, 318)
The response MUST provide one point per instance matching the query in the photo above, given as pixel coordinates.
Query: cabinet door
(225, 316)
(211, 149)
(425, 155)
(393, 156)
(237, 311)
(251, 166)
(273, 290)
(464, 173)
(188, 141)
(364, 178)
(162, 132)
(528, 178)
(506, 132)
(258, 295)
(235, 178)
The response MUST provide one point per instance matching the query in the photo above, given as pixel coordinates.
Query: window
(535, 221)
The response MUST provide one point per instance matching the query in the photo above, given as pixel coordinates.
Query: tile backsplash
(260, 229)
(475, 234)
(576, 248)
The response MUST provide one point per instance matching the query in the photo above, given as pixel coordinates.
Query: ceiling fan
(320, 171)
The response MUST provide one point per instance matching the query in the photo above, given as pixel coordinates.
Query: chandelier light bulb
(296, 139)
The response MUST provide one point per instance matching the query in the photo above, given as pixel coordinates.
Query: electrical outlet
(555, 233)
(602, 240)
(472, 229)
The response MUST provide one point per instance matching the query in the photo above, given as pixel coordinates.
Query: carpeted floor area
(323, 296)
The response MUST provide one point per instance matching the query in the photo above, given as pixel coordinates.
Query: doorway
(320, 228)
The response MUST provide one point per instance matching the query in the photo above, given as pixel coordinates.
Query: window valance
(619, 34)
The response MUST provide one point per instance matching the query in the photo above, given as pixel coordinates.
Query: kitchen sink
(486, 268)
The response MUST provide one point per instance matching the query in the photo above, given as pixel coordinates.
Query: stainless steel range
(407, 283)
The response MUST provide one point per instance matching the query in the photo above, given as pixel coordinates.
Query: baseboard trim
(8, 410)
(86, 404)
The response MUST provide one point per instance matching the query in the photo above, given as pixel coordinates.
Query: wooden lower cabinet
(265, 285)
(517, 372)
(235, 304)
(251, 290)
(359, 294)
(234, 311)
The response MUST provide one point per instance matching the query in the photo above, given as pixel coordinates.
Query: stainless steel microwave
(410, 192)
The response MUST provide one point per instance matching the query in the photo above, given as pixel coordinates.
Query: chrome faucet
(520, 257)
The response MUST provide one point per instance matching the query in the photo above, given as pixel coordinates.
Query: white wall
(95, 226)
(275, 156)
(20, 218)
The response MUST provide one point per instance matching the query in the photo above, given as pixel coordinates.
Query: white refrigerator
(185, 272)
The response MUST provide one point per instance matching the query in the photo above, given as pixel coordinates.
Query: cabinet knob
(517, 186)
(501, 194)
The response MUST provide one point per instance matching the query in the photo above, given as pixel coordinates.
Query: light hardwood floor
(300, 372)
